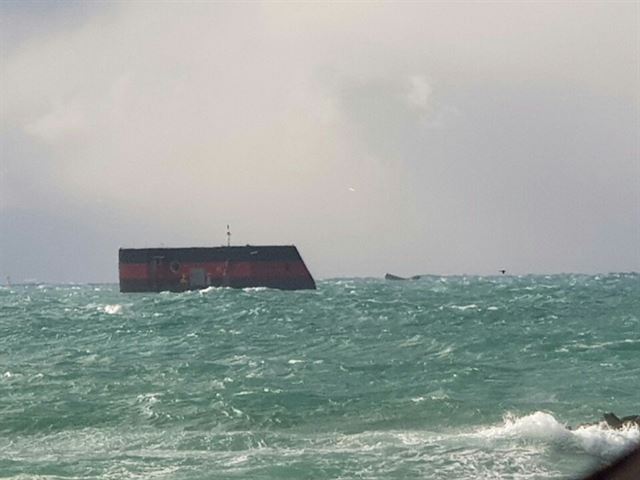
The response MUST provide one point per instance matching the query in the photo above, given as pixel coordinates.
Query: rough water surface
(439, 378)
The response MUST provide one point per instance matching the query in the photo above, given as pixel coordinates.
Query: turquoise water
(440, 378)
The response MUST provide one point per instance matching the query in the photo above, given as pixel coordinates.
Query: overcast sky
(407, 137)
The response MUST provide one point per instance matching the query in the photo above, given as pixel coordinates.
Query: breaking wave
(596, 439)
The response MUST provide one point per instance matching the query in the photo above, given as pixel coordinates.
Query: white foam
(536, 426)
(37, 376)
(242, 458)
(598, 440)
(255, 289)
(115, 309)
(211, 289)
(218, 385)
(146, 402)
(439, 394)
(464, 307)
(411, 342)
(603, 345)
(603, 441)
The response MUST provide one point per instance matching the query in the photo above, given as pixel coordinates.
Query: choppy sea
(438, 378)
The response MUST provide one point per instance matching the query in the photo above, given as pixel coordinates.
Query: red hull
(177, 269)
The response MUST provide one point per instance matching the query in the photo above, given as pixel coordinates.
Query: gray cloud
(413, 138)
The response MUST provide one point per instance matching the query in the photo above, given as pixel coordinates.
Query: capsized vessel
(179, 269)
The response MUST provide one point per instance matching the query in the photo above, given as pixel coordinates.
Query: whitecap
(243, 393)
(146, 402)
(411, 342)
(255, 289)
(536, 426)
(113, 309)
(217, 384)
(212, 289)
(602, 441)
(37, 376)
(242, 458)
(439, 394)
(464, 307)
(598, 440)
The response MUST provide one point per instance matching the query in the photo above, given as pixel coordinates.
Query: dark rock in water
(614, 422)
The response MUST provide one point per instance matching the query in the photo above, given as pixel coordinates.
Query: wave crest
(597, 439)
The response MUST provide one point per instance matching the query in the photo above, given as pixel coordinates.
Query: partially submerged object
(391, 276)
(179, 269)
